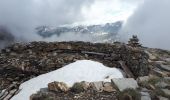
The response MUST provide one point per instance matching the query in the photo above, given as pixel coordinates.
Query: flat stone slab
(124, 83)
(98, 86)
(162, 98)
(145, 96)
(165, 67)
(166, 91)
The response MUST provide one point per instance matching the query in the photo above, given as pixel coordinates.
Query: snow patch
(82, 70)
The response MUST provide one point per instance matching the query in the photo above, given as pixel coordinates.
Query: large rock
(162, 98)
(166, 91)
(80, 87)
(163, 67)
(98, 86)
(58, 87)
(162, 84)
(108, 87)
(125, 83)
(145, 96)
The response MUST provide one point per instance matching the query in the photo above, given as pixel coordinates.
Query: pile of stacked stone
(134, 41)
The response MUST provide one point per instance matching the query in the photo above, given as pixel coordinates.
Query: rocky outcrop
(23, 61)
(125, 83)
(79, 91)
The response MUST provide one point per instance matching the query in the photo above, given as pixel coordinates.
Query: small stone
(144, 90)
(13, 54)
(151, 56)
(151, 87)
(125, 83)
(159, 73)
(167, 78)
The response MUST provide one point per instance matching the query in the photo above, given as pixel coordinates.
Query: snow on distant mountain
(106, 32)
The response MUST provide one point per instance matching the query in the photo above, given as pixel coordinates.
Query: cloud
(150, 22)
(103, 11)
(21, 17)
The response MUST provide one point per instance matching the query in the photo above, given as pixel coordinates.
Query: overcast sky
(21, 17)
(146, 18)
(150, 21)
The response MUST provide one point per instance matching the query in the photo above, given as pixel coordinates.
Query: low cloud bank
(150, 21)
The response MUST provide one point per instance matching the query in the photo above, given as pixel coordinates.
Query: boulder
(162, 98)
(98, 86)
(107, 87)
(163, 67)
(80, 87)
(166, 91)
(58, 87)
(124, 83)
(159, 72)
(162, 84)
(143, 79)
(145, 96)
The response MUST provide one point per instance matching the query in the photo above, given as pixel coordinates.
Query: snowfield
(82, 70)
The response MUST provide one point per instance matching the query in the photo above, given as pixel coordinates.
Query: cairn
(134, 41)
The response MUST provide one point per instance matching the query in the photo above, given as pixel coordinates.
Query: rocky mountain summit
(110, 28)
(147, 70)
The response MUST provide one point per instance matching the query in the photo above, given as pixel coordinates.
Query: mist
(150, 21)
(21, 17)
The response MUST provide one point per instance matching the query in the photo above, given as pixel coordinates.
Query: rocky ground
(148, 68)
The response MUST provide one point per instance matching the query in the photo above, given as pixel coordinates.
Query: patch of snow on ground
(82, 70)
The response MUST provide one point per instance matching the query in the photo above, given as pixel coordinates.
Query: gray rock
(125, 83)
(162, 85)
(162, 98)
(163, 67)
(80, 87)
(151, 56)
(166, 91)
(167, 78)
(167, 59)
(107, 87)
(143, 79)
(145, 96)
(98, 86)
(145, 90)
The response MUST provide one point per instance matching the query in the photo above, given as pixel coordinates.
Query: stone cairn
(134, 41)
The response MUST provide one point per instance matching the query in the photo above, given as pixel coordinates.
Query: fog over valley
(149, 19)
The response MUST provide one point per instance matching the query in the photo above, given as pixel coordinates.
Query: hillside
(21, 62)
